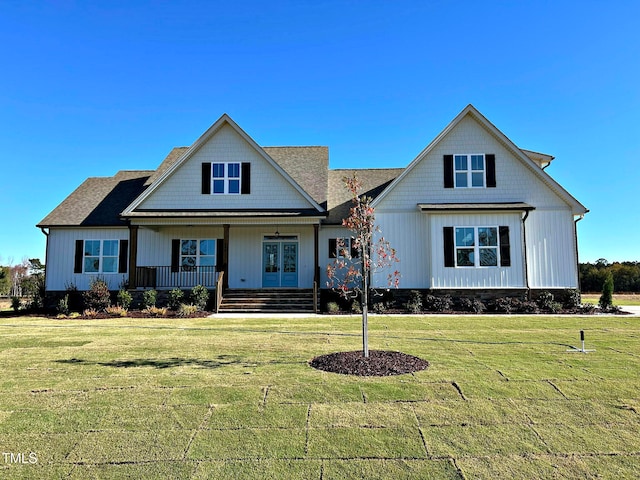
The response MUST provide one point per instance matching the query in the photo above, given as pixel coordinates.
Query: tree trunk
(365, 320)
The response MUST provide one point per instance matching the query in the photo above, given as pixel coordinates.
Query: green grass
(235, 398)
(629, 299)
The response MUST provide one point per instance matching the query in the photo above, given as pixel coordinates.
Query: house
(472, 213)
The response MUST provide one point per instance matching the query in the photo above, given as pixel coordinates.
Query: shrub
(438, 303)
(414, 304)
(117, 311)
(587, 308)
(200, 297)
(545, 300)
(124, 299)
(185, 310)
(16, 303)
(379, 307)
(573, 299)
(468, 305)
(527, 307)
(97, 297)
(606, 299)
(506, 304)
(90, 313)
(63, 305)
(149, 298)
(175, 299)
(356, 307)
(154, 311)
(332, 307)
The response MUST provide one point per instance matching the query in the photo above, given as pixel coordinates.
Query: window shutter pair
(450, 247)
(245, 187)
(490, 170)
(123, 256)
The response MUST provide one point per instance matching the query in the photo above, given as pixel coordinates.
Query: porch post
(225, 257)
(316, 264)
(133, 255)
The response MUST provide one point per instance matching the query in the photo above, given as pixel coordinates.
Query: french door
(280, 262)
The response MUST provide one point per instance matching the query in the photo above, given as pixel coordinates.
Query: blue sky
(90, 88)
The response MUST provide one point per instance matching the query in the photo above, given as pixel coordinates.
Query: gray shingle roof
(374, 181)
(98, 201)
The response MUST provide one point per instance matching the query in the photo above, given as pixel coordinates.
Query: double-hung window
(197, 253)
(226, 178)
(100, 256)
(343, 248)
(476, 246)
(469, 171)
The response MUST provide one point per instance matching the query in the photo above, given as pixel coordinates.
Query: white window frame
(469, 171)
(226, 178)
(100, 256)
(198, 256)
(343, 244)
(476, 247)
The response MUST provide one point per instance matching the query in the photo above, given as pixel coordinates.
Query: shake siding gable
(184, 188)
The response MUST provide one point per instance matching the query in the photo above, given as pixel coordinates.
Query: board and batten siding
(61, 256)
(408, 234)
(512, 276)
(182, 190)
(551, 249)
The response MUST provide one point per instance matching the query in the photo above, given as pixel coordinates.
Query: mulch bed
(380, 363)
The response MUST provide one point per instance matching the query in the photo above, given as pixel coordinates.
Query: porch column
(316, 264)
(225, 256)
(133, 255)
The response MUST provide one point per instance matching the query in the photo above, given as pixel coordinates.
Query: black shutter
(333, 247)
(449, 247)
(245, 189)
(505, 247)
(206, 178)
(123, 256)
(175, 255)
(79, 255)
(448, 171)
(219, 254)
(490, 158)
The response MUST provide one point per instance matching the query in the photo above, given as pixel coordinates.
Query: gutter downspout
(526, 263)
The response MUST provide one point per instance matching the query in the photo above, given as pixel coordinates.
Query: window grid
(477, 247)
(196, 253)
(225, 178)
(101, 256)
(469, 171)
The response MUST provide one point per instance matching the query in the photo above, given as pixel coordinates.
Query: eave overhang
(475, 207)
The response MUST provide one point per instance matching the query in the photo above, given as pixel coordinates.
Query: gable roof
(98, 201)
(576, 207)
(180, 156)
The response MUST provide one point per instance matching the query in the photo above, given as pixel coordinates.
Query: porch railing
(165, 277)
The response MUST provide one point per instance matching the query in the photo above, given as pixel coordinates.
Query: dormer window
(469, 171)
(226, 178)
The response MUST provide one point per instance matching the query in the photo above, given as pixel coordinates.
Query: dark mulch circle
(380, 363)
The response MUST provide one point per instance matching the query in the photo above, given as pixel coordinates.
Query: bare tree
(363, 254)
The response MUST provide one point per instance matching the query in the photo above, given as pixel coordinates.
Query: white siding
(480, 277)
(551, 249)
(182, 190)
(514, 181)
(61, 255)
(408, 233)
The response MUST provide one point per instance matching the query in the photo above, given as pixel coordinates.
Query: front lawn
(236, 398)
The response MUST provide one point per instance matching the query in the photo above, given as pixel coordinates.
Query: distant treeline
(626, 276)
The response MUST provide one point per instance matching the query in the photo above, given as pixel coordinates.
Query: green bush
(175, 299)
(414, 304)
(506, 304)
(469, 305)
(63, 305)
(606, 299)
(97, 297)
(573, 299)
(333, 307)
(124, 299)
(438, 303)
(545, 300)
(16, 304)
(356, 307)
(200, 297)
(185, 310)
(149, 298)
